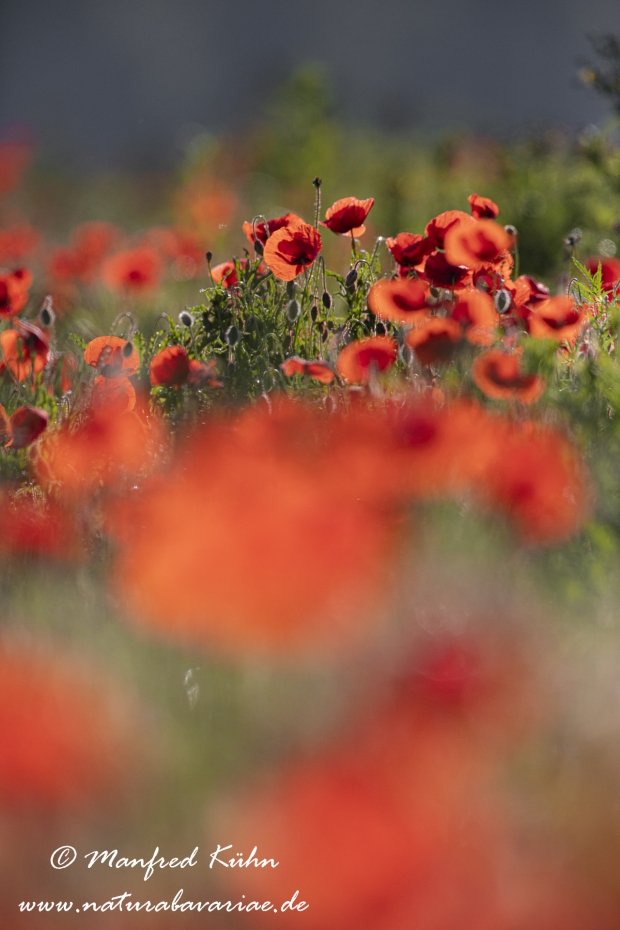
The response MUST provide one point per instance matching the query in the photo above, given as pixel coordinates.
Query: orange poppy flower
(558, 318)
(25, 350)
(475, 242)
(403, 301)
(262, 233)
(409, 249)
(17, 243)
(105, 448)
(291, 250)
(441, 273)
(476, 311)
(115, 395)
(540, 482)
(357, 361)
(170, 366)
(347, 216)
(318, 370)
(27, 424)
(610, 269)
(14, 286)
(134, 271)
(267, 510)
(111, 356)
(435, 340)
(482, 208)
(438, 227)
(68, 739)
(526, 294)
(498, 375)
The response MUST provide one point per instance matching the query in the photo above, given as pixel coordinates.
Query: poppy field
(309, 551)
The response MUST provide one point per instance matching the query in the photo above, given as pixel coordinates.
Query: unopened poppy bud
(46, 314)
(258, 247)
(380, 329)
(573, 238)
(209, 256)
(186, 318)
(314, 312)
(327, 300)
(293, 310)
(503, 299)
(511, 230)
(291, 289)
(232, 335)
(127, 350)
(317, 182)
(351, 278)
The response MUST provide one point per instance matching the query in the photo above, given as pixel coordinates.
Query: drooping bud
(232, 336)
(327, 300)
(127, 350)
(186, 318)
(350, 279)
(314, 312)
(258, 247)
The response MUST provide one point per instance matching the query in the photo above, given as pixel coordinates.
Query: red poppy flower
(539, 480)
(526, 294)
(114, 395)
(203, 373)
(170, 366)
(558, 318)
(111, 356)
(14, 287)
(498, 375)
(68, 740)
(347, 216)
(17, 243)
(435, 340)
(482, 208)
(409, 249)
(31, 528)
(403, 301)
(135, 271)
(270, 510)
(105, 448)
(610, 268)
(280, 222)
(292, 249)
(226, 272)
(476, 311)
(475, 242)
(438, 227)
(357, 361)
(27, 424)
(320, 371)
(25, 350)
(441, 273)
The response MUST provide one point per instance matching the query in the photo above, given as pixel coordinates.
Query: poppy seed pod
(232, 335)
(503, 299)
(351, 278)
(293, 311)
(186, 318)
(327, 300)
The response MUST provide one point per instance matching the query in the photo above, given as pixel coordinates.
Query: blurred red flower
(170, 366)
(438, 227)
(476, 312)
(482, 208)
(404, 301)
(348, 215)
(610, 271)
(475, 242)
(25, 350)
(17, 242)
(435, 340)
(135, 271)
(558, 318)
(498, 375)
(14, 286)
(15, 157)
(318, 370)
(27, 424)
(112, 356)
(441, 273)
(292, 249)
(34, 527)
(357, 361)
(227, 272)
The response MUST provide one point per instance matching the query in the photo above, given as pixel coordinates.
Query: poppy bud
(317, 182)
(503, 299)
(351, 278)
(258, 247)
(293, 310)
(127, 350)
(380, 329)
(231, 335)
(511, 230)
(291, 289)
(47, 315)
(327, 300)
(186, 318)
(573, 238)
(324, 334)
(314, 312)
(209, 256)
